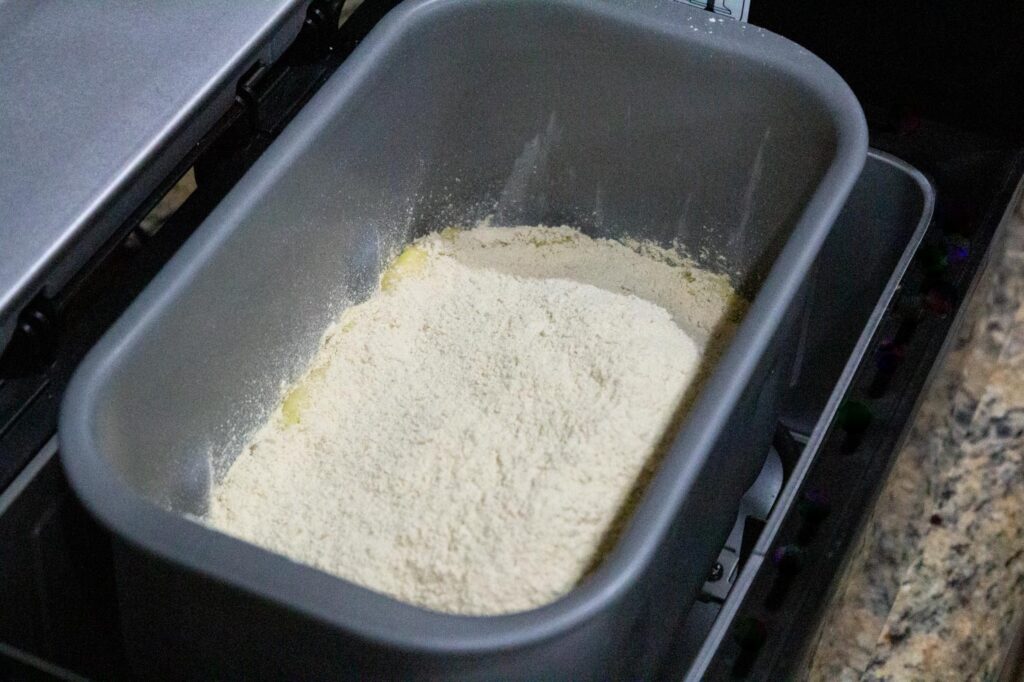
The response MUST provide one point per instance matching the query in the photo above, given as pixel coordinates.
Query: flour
(470, 438)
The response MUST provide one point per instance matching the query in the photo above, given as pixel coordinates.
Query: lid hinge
(271, 93)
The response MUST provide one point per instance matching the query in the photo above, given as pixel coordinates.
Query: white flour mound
(468, 438)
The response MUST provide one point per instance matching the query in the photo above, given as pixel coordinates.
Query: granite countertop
(934, 588)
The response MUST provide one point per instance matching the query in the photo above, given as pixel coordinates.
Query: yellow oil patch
(296, 400)
(410, 262)
(294, 403)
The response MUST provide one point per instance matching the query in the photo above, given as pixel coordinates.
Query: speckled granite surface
(935, 587)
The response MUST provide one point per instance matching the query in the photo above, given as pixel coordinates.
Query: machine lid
(98, 101)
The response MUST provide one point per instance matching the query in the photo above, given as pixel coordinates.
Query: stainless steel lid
(98, 100)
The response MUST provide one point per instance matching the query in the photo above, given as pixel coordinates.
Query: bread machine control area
(947, 140)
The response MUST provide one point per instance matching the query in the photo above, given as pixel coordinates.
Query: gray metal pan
(640, 118)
